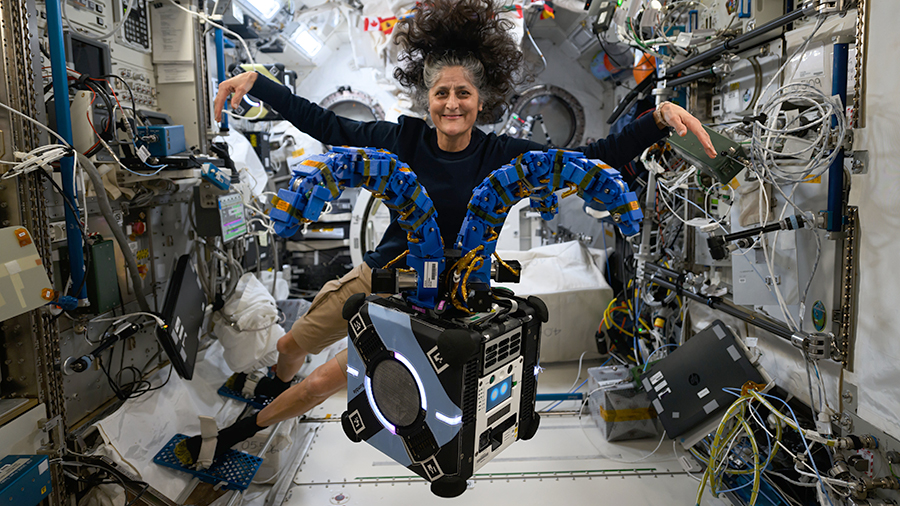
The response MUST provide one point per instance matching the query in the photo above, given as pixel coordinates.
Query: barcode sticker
(431, 275)
(143, 153)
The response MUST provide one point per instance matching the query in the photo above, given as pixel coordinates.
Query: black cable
(84, 237)
(133, 389)
(133, 104)
(602, 40)
(127, 87)
(111, 102)
(115, 473)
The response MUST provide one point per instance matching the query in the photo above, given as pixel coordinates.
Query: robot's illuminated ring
(389, 393)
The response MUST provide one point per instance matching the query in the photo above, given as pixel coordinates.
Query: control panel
(92, 15)
(135, 32)
(141, 81)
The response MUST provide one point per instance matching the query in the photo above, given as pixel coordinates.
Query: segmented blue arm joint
(537, 175)
(321, 178)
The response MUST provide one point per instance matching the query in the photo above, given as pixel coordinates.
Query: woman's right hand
(239, 85)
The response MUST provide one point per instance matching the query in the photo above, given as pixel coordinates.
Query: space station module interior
(668, 328)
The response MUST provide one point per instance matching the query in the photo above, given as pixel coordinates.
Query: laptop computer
(685, 388)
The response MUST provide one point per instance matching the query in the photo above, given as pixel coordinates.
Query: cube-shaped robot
(441, 396)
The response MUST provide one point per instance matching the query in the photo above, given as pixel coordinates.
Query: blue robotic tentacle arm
(536, 175)
(321, 178)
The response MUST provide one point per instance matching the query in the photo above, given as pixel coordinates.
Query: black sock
(236, 381)
(271, 387)
(188, 450)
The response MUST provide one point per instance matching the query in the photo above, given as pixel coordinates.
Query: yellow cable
(571, 191)
(392, 262)
(737, 412)
(504, 264)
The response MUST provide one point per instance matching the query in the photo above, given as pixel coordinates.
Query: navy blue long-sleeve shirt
(448, 177)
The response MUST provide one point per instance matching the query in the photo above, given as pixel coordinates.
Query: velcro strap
(586, 180)
(557, 169)
(250, 383)
(284, 205)
(209, 432)
(500, 191)
(486, 217)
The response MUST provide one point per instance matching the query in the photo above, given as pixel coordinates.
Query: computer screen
(87, 56)
(231, 214)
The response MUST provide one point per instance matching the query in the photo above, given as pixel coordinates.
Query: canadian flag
(371, 24)
(385, 25)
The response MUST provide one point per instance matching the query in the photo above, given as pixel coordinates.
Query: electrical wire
(767, 136)
(39, 158)
(119, 319)
(118, 26)
(118, 233)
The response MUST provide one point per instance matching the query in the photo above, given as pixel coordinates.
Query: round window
(547, 114)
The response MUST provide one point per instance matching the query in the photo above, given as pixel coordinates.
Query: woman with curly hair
(460, 64)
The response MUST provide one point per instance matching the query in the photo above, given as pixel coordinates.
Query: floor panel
(568, 459)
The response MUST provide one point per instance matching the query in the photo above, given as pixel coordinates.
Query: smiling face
(454, 104)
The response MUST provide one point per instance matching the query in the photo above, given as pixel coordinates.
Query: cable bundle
(768, 145)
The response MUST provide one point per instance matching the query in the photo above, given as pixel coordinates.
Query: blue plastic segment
(257, 402)
(215, 176)
(321, 178)
(541, 174)
(235, 469)
(220, 68)
(559, 397)
(64, 128)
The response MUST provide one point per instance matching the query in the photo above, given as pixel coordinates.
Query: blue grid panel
(235, 469)
(257, 402)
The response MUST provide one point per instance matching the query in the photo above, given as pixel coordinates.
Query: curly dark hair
(467, 33)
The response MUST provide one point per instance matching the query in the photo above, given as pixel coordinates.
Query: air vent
(422, 444)
(368, 345)
(470, 391)
(500, 350)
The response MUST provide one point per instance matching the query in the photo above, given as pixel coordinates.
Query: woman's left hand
(675, 116)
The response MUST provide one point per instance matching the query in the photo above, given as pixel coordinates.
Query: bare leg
(324, 382)
(290, 357)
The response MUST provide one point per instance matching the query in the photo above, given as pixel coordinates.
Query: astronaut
(459, 62)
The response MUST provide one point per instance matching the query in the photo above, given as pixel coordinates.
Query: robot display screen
(499, 393)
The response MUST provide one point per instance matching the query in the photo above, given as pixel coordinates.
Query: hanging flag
(387, 24)
(547, 13)
(371, 24)
(517, 8)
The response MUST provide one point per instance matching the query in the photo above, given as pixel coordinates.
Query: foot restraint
(246, 393)
(234, 470)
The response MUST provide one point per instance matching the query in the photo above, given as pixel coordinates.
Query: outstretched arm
(618, 149)
(322, 124)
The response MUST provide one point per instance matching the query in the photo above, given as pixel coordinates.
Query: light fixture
(265, 8)
(306, 41)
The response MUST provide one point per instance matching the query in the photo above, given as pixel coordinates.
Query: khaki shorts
(323, 324)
